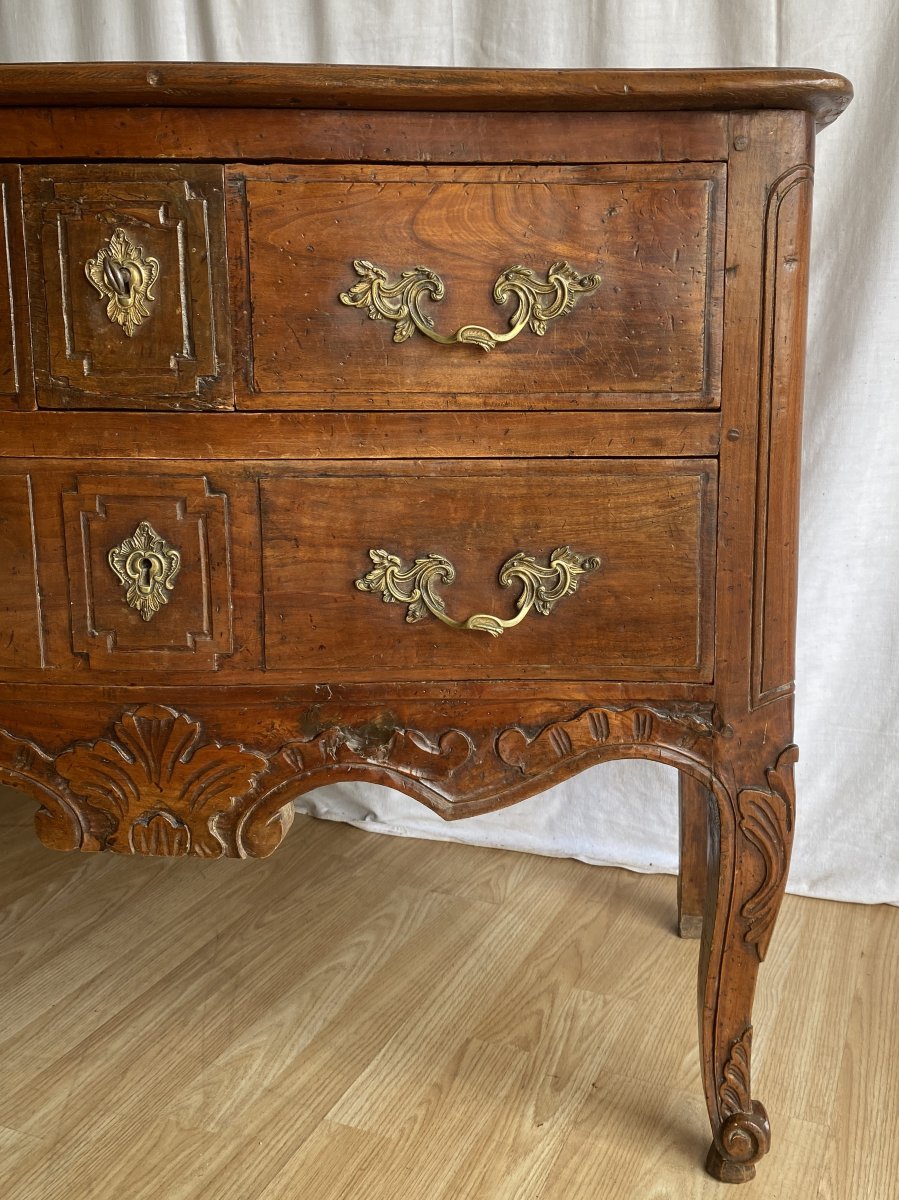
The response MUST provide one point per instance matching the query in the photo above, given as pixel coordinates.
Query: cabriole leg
(751, 828)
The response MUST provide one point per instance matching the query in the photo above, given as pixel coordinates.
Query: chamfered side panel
(787, 231)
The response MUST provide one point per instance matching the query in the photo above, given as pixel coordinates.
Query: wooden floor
(374, 1018)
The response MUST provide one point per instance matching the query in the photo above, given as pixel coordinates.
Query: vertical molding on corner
(781, 349)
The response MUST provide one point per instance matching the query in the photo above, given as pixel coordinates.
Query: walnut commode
(246, 399)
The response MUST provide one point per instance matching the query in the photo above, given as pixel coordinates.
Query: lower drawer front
(517, 570)
(338, 542)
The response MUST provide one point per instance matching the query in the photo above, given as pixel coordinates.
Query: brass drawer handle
(124, 277)
(400, 302)
(542, 587)
(146, 566)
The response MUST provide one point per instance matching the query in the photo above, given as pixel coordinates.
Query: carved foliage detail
(58, 821)
(156, 785)
(734, 1090)
(591, 728)
(766, 819)
(164, 791)
(406, 751)
(744, 1134)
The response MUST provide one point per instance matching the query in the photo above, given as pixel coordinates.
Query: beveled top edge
(279, 85)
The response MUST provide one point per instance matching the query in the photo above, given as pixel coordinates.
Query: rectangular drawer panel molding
(645, 612)
(178, 353)
(192, 629)
(649, 335)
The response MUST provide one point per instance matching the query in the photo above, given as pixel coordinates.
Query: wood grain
(276, 437)
(315, 86)
(693, 806)
(648, 336)
(16, 390)
(545, 1036)
(269, 673)
(319, 135)
(20, 615)
(645, 611)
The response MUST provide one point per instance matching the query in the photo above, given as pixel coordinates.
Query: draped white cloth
(847, 844)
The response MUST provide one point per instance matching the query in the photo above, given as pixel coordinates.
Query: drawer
(128, 282)
(370, 572)
(612, 275)
(339, 542)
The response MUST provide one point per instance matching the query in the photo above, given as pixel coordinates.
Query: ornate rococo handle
(542, 587)
(400, 302)
(124, 276)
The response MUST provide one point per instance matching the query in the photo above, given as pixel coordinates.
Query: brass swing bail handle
(539, 301)
(541, 587)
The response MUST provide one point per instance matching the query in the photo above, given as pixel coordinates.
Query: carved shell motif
(157, 784)
(154, 753)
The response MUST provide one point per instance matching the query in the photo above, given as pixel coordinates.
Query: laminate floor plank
(141, 952)
(864, 1147)
(634, 1142)
(407, 1020)
(489, 970)
(797, 1028)
(252, 1059)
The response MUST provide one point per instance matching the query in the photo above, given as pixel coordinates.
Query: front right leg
(750, 835)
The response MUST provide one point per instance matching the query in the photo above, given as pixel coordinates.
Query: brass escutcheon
(124, 277)
(147, 567)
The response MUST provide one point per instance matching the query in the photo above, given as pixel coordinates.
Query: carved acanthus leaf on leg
(749, 854)
(745, 1135)
(766, 819)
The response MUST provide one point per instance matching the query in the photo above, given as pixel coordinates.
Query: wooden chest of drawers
(434, 428)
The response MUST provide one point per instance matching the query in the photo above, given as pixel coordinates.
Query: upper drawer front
(129, 289)
(646, 335)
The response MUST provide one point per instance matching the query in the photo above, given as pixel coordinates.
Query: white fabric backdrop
(847, 844)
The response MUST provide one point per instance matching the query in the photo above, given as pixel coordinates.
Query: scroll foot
(744, 1138)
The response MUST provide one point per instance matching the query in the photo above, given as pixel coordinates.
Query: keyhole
(146, 572)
